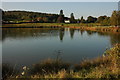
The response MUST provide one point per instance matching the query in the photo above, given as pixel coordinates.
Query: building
(67, 21)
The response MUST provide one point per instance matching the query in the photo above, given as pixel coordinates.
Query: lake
(27, 46)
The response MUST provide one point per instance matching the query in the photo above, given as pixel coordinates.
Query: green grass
(50, 24)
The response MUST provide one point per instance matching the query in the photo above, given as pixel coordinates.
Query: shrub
(8, 71)
(49, 66)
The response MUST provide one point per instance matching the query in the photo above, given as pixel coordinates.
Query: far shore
(90, 26)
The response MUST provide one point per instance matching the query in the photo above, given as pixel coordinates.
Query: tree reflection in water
(18, 33)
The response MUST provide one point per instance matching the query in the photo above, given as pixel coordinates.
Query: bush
(8, 71)
(49, 66)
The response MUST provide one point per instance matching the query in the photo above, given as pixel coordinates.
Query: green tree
(61, 12)
(82, 20)
(114, 18)
(106, 21)
(91, 19)
(72, 19)
(101, 18)
(60, 19)
(27, 16)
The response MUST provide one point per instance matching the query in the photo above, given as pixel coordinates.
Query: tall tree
(61, 12)
(61, 17)
(72, 19)
(115, 18)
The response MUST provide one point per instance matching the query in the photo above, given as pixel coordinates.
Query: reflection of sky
(31, 50)
(78, 8)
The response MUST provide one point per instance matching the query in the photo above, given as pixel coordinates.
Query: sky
(78, 8)
(60, 0)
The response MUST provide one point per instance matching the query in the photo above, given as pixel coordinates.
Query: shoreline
(60, 25)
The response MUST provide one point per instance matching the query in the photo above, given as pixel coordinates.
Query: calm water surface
(26, 46)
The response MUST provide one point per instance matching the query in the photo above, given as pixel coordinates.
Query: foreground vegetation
(106, 66)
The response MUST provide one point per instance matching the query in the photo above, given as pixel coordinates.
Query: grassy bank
(106, 66)
(91, 26)
(50, 24)
(102, 29)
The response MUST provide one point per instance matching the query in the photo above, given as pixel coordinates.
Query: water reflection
(28, 32)
(90, 32)
(41, 32)
(61, 34)
(30, 45)
(81, 32)
(72, 31)
(114, 38)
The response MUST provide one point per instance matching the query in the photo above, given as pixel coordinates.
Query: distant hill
(27, 16)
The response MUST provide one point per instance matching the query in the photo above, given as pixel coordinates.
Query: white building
(67, 21)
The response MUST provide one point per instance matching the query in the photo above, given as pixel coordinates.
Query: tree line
(26, 16)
